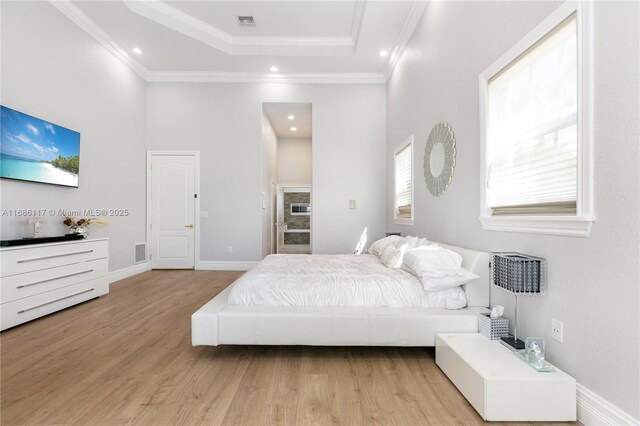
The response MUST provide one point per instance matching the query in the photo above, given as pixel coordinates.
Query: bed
(221, 323)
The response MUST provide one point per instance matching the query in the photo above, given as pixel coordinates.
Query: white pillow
(392, 256)
(410, 242)
(407, 242)
(378, 246)
(436, 267)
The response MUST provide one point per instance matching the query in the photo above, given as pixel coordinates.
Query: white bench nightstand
(499, 385)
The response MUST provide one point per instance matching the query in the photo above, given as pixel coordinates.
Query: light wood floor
(127, 358)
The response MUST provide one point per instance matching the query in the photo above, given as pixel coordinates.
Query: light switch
(352, 204)
(204, 214)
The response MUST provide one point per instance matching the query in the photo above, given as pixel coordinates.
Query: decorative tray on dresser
(40, 240)
(37, 280)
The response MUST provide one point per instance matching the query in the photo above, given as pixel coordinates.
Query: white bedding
(336, 280)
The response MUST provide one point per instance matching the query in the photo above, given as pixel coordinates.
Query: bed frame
(218, 323)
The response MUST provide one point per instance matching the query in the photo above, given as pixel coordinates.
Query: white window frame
(580, 224)
(396, 220)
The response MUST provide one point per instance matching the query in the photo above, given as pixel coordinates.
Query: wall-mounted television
(34, 150)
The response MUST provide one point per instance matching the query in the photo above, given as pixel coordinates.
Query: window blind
(532, 135)
(403, 178)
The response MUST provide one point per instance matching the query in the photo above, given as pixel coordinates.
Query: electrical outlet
(556, 330)
(229, 249)
(353, 204)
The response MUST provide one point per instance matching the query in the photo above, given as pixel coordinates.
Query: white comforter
(336, 280)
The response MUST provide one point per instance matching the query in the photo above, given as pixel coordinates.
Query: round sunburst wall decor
(439, 158)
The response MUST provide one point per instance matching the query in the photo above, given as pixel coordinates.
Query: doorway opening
(295, 203)
(287, 178)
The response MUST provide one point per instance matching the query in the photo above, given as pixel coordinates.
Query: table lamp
(518, 274)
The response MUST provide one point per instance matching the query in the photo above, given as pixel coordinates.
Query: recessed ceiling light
(293, 129)
(137, 50)
(383, 53)
(291, 117)
(274, 69)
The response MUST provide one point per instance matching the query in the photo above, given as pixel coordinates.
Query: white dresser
(36, 280)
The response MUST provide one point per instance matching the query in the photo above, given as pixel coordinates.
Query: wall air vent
(246, 21)
(140, 253)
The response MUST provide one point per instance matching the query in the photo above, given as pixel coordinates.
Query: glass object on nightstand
(533, 354)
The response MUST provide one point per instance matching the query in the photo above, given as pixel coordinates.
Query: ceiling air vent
(246, 21)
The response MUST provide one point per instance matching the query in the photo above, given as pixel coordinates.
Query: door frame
(308, 186)
(273, 214)
(196, 209)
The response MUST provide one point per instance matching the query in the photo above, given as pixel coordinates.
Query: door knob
(189, 226)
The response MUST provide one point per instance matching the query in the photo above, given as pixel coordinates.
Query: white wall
(269, 172)
(53, 70)
(224, 122)
(592, 282)
(294, 161)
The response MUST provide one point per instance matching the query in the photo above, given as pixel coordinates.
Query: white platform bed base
(218, 323)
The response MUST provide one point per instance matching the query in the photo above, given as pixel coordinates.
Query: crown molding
(177, 20)
(181, 22)
(292, 46)
(72, 12)
(250, 77)
(411, 22)
(356, 25)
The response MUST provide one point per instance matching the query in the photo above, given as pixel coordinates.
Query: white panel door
(173, 211)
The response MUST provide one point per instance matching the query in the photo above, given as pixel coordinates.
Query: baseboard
(209, 265)
(127, 272)
(594, 410)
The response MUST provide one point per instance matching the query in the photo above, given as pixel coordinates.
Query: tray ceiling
(308, 41)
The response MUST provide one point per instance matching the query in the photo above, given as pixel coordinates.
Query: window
(403, 167)
(535, 132)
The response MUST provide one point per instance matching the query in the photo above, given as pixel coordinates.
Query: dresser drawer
(21, 261)
(31, 283)
(28, 308)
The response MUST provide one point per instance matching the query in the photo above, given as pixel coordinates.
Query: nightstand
(499, 385)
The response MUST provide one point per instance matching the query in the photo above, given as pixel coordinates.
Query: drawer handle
(54, 301)
(56, 278)
(55, 255)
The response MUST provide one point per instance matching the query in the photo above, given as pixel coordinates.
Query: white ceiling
(278, 113)
(323, 41)
(281, 18)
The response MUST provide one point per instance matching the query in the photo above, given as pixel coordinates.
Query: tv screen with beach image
(35, 150)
